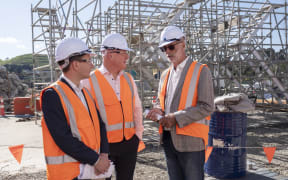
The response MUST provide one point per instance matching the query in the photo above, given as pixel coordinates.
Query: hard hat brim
(87, 51)
(126, 49)
(166, 43)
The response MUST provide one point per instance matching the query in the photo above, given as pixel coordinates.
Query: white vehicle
(257, 85)
(245, 86)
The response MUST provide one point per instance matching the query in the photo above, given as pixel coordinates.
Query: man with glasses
(116, 96)
(185, 102)
(73, 133)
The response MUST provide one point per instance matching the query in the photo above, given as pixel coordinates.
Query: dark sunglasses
(110, 48)
(170, 47)
(119, 52)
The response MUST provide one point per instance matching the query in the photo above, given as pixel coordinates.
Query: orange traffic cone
(2, 109)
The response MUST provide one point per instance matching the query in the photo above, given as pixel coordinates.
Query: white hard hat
(115, 41)
(169, 35)
(70, 47)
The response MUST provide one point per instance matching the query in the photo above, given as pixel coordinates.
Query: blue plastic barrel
(227, 129)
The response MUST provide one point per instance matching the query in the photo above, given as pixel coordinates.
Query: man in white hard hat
(73, 133)
(185, 102)
(115, 93)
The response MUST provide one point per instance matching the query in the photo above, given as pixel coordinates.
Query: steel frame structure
(244, 42)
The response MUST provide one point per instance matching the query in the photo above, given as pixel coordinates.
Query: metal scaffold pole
(244, 43)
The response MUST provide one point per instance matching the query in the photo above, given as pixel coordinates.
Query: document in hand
(87, 172)
(147, 111)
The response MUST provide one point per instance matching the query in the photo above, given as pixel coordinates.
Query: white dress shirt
(173, 83)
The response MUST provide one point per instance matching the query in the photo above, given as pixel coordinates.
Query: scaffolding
(244, 42)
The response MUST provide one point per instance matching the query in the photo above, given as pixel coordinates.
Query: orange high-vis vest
(188, 98)
(117, 115)
(86, 129)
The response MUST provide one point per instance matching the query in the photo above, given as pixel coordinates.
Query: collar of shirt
(77, 90)
(104, 70)
(74, 87)
(180, 66)
(173, 83)
(114, 83)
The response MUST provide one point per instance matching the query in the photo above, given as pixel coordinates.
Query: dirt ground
(270, 129)
(262, 130)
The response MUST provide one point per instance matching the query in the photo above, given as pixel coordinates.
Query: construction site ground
(262, 130)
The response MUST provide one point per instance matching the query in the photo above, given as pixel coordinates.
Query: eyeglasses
(85, 60)
(170, 47)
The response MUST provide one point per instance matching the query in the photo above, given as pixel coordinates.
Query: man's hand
(168, 121)
(104, 155)
(154, 113)
(102, 165)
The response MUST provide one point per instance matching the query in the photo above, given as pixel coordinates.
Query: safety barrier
(2, 107)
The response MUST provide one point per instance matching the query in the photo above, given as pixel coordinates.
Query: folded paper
(87, 172)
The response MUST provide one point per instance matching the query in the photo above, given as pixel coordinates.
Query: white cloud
(10, 40)
(13, 41)
(21, 46)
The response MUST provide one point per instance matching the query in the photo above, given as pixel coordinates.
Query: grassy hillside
(25, 59)
(23, 65)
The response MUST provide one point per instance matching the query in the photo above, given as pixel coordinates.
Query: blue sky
(15, 27)
(15, 31)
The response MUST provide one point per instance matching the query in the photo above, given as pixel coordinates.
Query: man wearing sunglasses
(74, 135)
(185, 102)
(115, 93)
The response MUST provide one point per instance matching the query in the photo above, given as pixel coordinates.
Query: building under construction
(244, 42)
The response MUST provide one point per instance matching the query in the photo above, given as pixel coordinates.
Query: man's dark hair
(71, 59)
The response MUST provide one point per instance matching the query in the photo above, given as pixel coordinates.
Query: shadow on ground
(40, 175)
(249, 176)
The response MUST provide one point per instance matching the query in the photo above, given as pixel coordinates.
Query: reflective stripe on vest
(73, 125)
(74, 129)
(59, 159)
(91, 97)
(191, 91)
(189, 100)
(88, 92)
(131, 89)
(71, 114)
(102, 110)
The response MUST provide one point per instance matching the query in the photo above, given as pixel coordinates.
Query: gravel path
(262, 130)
